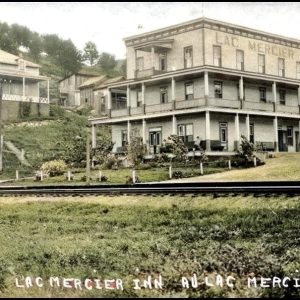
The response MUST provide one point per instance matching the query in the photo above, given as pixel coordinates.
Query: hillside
(62, 136)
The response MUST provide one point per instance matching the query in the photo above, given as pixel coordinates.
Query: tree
(35, 46)
(69, 58)
(123, 68)
(246, 150)
(90, 53)
(107, 61)
(136, 150)
(177, 147)
(64, 54)
(7, 43)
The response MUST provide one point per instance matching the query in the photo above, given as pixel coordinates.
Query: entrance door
(297, 141)
(155, 140)
(224, 135)
(282, 146)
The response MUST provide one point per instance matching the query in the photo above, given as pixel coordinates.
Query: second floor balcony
(147, 73)
(35, 99)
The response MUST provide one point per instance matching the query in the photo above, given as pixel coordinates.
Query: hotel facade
(208, 80)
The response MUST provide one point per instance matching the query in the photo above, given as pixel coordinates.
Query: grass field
(131, 237)
(285, 166)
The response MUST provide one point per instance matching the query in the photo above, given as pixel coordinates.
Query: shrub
(177, 147)
(111, 162)
(177, 174)
(246, 150)
(136, 150)
(57, 111)
(102, 179)
(54, 167)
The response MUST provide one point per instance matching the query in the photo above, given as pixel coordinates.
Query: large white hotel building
(207, 79)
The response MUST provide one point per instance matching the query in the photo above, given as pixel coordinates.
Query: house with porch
(22, 83)
(211, 81)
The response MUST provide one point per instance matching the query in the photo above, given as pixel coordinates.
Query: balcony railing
(136, 110)
(288, 109)
(183, 104)
(156, 108)
(226, 103)
(21, 98)
(258, 106)
(119, 113)
(147, 73)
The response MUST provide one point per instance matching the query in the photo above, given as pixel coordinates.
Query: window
(252, 133)
(155, 135)
(290, 139)
(185, 132)
(281, 67)
(188, 57)
(223, 130)
(124, 138)
(261, 63)
(218, 89)
(139, 98)
(21, 64)
(298, 70)
(140, 63)
(262, 94)
(240, 60)
(163, 94)
(163, 61)
(102, 104)
(282, 96)
(189, 91)
(217, 56)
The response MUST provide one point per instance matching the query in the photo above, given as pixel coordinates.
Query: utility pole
(1, 131)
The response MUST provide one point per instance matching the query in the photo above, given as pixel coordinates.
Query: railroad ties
(214, 189)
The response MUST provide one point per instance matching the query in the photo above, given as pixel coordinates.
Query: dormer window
(21, 65)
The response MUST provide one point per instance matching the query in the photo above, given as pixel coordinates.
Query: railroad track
(216, 189)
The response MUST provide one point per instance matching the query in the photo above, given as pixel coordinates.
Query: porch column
(274, 95)
(299, 136)
(24, 88)
(128, 100)
(275, 125)
(48, 91)
(143, 98)
(241, 91)
(128, 131)
(144, 132)
(299, 97)
(153, 58)
(93, 136)
(248, 127)
(237, 132)
(207, 130)
(206, 85)
(173, 93)
(109, 103)
(174, 125)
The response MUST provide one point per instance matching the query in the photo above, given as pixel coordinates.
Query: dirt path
(283, 167)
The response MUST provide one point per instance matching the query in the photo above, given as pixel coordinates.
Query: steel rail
(243, 188)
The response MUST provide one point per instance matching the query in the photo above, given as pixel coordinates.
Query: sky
(107, 23)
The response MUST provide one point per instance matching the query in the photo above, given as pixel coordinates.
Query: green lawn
(131, 237)
(121, 176)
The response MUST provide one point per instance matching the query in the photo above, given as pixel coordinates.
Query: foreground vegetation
(133, 237)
